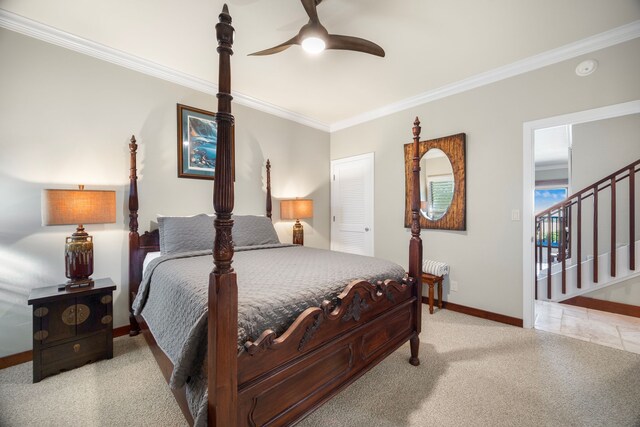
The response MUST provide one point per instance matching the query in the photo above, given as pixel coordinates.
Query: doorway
(352, 181)
(528, 179)
(552, 170)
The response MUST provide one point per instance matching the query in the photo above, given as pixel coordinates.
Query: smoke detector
(586, 67)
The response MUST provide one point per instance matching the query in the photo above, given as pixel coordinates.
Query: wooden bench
(431, 281)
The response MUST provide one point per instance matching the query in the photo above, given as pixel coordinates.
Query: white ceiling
(429, 43)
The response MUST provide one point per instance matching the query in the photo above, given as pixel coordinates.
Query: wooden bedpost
(222, 362)
(134, 237)
(269, 202)
(415, 245)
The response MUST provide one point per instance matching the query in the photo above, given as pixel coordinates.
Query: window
(439, 195)
(547, 197)
(549, 228)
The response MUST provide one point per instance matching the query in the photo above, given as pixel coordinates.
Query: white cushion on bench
(436, 268)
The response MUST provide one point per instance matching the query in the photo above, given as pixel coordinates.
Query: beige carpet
(128, 390)
(473, 373)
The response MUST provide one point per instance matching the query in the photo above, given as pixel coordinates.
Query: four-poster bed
(278, 378)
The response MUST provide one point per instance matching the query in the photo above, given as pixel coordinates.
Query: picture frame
(197, 142)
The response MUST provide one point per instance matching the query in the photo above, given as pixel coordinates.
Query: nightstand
(71, 327)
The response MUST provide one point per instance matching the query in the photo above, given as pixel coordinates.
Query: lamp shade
(60, 207)
(296, 209)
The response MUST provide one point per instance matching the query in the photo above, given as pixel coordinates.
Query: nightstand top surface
(51, 293)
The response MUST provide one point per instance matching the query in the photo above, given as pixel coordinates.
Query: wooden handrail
(558, 205)
(592, 187)
(559, 218)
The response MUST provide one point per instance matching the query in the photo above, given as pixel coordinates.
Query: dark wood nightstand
(71, 328)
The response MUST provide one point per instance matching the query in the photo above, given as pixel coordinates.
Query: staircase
(567, 238)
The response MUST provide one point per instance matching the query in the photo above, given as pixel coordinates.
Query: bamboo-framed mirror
(442, 183)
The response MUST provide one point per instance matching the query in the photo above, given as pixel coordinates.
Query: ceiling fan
(314, 38)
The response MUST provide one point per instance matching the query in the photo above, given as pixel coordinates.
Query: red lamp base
(78, 257)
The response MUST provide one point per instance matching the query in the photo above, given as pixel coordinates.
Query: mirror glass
(436, 184)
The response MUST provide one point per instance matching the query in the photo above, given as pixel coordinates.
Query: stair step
(604, 279)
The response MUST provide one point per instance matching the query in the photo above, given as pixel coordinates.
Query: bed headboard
(149, 241)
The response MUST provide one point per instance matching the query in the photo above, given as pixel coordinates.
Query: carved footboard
(283, 379)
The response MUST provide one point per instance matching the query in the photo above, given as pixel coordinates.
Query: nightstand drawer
(57, 321)
(94, 313)
(50, 322)
(75, 353)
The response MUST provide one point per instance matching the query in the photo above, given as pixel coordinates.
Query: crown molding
(40, 31)
(590, 44)
(600, 113)
(46, 33)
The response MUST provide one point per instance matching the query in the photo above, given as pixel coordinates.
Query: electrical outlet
(454, 286)
(515, 215)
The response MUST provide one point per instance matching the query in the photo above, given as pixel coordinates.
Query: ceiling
(428, 43)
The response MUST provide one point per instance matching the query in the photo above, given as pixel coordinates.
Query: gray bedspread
(275, 284)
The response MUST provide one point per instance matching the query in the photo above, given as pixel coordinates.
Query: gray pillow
(250, 230)
(185, 233)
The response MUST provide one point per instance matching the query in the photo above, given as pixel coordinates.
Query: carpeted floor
(474, 373)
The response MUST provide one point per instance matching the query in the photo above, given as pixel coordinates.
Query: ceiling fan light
(313, 45)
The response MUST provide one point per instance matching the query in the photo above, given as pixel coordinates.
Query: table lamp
(297, 209)
(65, 207)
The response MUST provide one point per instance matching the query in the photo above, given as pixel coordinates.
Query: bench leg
(440, 294)
(430, 297)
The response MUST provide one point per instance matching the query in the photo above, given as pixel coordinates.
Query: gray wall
(435, 166)
(430, 167)
(66, 120)
(600, 148)
(555, 177)
(626, 292)
(486, 259)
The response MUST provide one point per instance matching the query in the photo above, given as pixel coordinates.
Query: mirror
(436, 184)
(442, 183)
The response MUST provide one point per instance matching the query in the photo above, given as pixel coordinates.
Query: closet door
(352, 204)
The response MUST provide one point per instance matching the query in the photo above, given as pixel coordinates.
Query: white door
(352, 204)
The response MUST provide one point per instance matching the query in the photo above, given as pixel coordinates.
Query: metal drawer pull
(106, 319)
(41, 335)
(40, 311)
(75, 314)
(83, 313)
(76, 348)
(106, 299)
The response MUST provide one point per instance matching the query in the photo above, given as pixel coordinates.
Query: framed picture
(197, 143)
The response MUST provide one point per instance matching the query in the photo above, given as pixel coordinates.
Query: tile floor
(598, 327)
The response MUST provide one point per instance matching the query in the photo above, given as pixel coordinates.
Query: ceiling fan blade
(284, 46)
(336, 41)
(310, 8)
